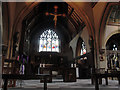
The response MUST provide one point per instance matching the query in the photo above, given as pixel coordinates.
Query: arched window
(83, 48)
(49, 41)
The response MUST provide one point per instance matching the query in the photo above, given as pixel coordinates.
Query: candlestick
(43, 65)
(74, 65)
(23, 69)
(71, 65)
(40, 65)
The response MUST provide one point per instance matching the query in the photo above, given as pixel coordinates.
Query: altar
(67, 74)
(55, 65)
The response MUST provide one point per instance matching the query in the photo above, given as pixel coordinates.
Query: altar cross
(55, 14)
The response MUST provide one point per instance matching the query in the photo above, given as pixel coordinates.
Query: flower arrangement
(22, 62)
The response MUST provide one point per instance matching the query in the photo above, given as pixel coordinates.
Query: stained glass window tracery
(49, 41)
(83, 48)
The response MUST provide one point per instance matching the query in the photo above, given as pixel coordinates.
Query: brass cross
(55, 15)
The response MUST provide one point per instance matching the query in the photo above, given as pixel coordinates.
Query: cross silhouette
(55, 15)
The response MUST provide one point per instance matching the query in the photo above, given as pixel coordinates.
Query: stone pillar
(0, 43)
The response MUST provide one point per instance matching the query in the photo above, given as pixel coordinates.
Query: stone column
(0, 43)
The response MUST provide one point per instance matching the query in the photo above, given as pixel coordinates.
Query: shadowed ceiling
(36, 21)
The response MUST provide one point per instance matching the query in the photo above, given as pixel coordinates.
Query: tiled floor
(57, 84)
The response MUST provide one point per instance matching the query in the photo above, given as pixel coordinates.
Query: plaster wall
(85, 36)
(0, 44)
(97, 13)
(109, 31)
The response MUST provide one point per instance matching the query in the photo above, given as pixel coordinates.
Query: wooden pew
(97, 76)
(98, 71)
(6, 77)
(10, 66)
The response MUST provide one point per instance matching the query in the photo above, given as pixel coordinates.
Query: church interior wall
(5, 35)
(71, 28)
(34, 42)
(1, 31)
(98, 11)
(98, 16)
(103, 31)
(19, 7)
(85, 12)
(66, 51)
(109, 31)
(85, 36)
(93, 15)
(73, 44)
(85, 8)
(14, 11)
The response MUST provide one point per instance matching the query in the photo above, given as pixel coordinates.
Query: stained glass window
(83, 48)
(49, 41)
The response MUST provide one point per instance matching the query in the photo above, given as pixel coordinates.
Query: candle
(23, 69)
(74, 65)
(43, 65)
(71, 65)
(40, 65)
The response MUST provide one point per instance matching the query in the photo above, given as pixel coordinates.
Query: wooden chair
(111, 71)
(101, 71)
(46, 71)
(10, 66)
(70, 75)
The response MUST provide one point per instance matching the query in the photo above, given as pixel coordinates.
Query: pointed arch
(81, 47)
(49, 41)
(103, 23)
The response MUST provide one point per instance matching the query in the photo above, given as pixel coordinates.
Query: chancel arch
(29, 7)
